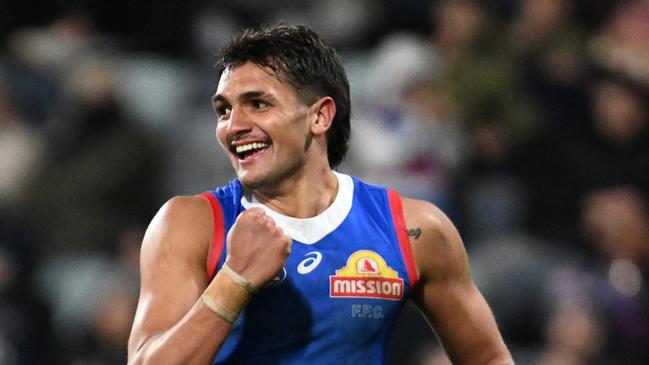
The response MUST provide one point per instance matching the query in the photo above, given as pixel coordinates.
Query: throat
(302, 200)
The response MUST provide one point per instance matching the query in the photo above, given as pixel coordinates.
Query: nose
(239, 123)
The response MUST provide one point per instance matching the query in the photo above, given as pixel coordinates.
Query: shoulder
(438, 250)
(180, 211)
(182, 228)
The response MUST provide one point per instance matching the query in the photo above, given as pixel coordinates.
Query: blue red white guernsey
(339, 294)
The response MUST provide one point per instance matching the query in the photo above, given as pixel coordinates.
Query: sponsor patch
(366, 275)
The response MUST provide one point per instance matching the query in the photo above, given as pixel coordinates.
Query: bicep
(172, 270)
(446, 294)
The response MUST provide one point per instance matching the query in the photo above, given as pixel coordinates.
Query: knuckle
(265, 227)
(254, 212)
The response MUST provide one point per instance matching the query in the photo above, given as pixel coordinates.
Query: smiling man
(292, 262)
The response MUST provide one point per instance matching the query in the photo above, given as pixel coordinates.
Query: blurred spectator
(573, 337)
(26, 334)
(622, 45)
(479, 73)
(100, 172)
(513, 272)
(491, 198)
(616, 223)
(550, 48)
(93, 297)
(405, 135)
(53, 48)
(601, 302)
(614, 149)
(20, 153)
(460, 28)
(482, 81)
(344, 23)
(110, 329)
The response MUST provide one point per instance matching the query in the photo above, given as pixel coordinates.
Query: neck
(305, 195)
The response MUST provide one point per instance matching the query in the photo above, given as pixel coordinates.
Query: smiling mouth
(250, 149)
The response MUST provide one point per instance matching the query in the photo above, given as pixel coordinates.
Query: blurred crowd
(526, 121)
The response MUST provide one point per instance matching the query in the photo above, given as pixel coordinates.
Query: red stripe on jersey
(216, 246)
(402, 234)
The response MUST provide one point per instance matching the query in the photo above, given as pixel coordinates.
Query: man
(293, 263)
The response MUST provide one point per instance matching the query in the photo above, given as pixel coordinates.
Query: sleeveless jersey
(342, 287)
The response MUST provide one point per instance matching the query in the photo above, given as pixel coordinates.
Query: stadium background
(525, 121)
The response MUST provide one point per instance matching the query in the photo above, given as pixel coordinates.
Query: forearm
(480, 342)
(498, 355)
(199, 334)
(195, 339)
(503, 360)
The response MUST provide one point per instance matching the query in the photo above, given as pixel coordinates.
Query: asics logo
(309, 264)
(279, 278)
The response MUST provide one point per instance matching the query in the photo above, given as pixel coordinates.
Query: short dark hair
(299, 56)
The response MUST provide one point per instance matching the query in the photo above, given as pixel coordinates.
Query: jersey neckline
(313, 229)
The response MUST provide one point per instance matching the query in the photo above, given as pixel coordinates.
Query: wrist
(228, 294)
(239, 279)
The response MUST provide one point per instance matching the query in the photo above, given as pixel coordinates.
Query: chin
(249, 181)
(269, 176)
(259, 181)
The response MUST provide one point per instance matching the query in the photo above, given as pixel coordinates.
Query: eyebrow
(242, 97)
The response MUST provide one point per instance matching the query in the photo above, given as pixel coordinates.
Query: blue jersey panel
(336, 300)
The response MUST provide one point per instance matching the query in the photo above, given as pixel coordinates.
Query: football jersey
(338, 296)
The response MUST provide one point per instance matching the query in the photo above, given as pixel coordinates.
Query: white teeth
(250, 146)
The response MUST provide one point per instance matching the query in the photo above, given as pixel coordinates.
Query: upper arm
(172, 267)
(446, 293)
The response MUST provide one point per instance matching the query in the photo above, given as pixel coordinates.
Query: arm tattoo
(414, 232)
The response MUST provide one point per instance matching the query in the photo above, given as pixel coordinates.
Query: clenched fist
(257, 248)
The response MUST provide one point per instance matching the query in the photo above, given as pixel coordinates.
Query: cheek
(219, 132)
(293, 142)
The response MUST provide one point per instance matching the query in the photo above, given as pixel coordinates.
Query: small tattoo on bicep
(414, 232)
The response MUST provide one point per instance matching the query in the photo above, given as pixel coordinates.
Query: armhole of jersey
(216, 246)
(402, 235)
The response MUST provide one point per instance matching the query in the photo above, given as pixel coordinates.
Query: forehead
(251, 77)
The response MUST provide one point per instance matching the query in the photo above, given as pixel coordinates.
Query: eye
(259, 104)
(222, 111)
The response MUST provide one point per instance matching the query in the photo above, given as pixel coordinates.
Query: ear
(323, 111)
